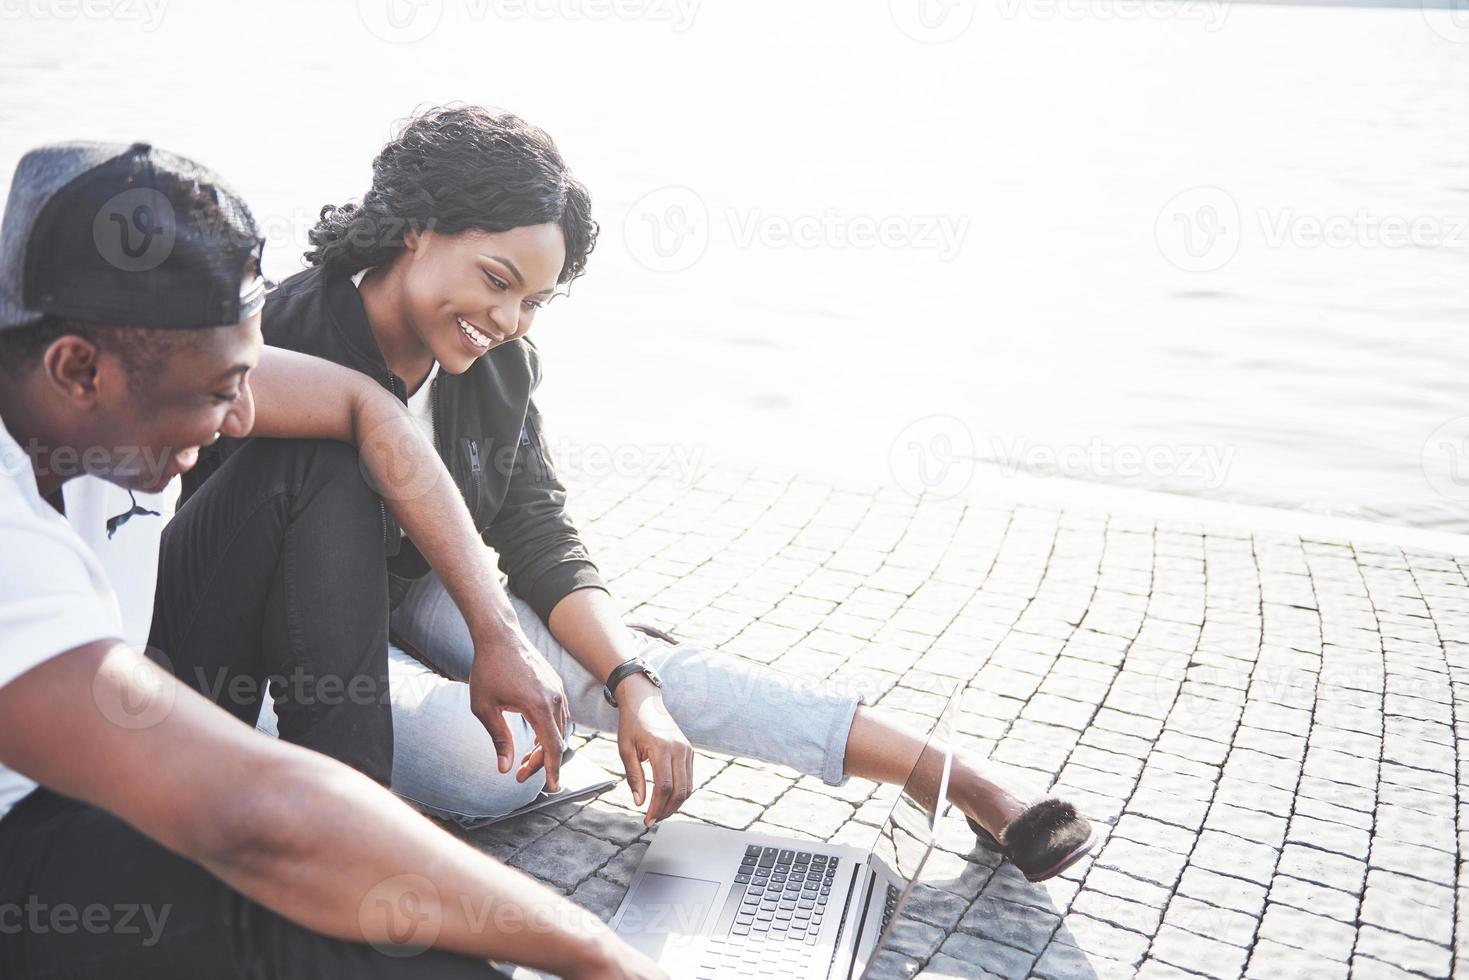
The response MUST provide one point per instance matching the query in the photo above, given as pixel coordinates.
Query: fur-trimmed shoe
(1043, 841)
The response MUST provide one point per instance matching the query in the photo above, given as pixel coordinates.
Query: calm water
(1213, 250)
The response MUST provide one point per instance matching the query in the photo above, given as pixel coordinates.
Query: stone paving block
(1411, 859)
(1195, 749)
(1105, 759)
(1184, 767)
(1276, 718)
(1197, 954)
(1118, 742)
(1168, 808)
(1435, 830)
(1352, 744)
(1176, 784)
(1258, 767)
(914, 939)
(1323, 867)
(1223, 890)
(1366, 968)
(945, 967)
(1321, 809)
(564, 857)
(1115, 883)
(1252, 825)
(1144, 830)
(1018, 926)
(1091, 781)
(1063, 962)
(1099, 938)
(1125, 723)
(892, 965)
(599, 896)
(1236, 791)
(620, 827)
(1328, 836)
(1154, 864)
(1341, 794)
(1270, 960)
(1311, 897)
(1227, 854)
(986, 954)
(935, 906)
(1414, 955)
(1305, 930)
(1211, 921)
(1122, 912)
(721, 810)
(1342, 768)
(1409, 906)
(1158, 970)
(1412, 798)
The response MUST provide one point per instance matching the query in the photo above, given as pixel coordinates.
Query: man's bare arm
(265, 816)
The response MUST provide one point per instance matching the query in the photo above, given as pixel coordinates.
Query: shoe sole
(1072, 856)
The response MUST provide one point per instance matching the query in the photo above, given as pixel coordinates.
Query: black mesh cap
(126, 235)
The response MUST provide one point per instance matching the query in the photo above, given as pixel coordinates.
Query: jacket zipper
(393, 381)
(474, 473)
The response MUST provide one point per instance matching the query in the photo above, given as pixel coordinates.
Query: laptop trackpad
(664, 906)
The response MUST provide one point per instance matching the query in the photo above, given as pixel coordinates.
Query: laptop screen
(908, 835)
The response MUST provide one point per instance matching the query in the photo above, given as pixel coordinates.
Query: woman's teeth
(473, 334)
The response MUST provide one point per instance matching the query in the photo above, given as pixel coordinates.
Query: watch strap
(620, 673)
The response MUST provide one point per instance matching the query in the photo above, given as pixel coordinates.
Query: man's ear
(74, 366)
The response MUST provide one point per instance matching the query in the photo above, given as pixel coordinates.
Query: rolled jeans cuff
(834, 773)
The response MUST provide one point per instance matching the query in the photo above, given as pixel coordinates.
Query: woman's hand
(646, 732)
(511, 675)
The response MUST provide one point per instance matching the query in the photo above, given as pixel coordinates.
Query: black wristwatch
(620, 673)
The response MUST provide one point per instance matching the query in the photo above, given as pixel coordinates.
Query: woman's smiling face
(469, 292)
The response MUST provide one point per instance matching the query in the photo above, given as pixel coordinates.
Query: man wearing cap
(168, 839)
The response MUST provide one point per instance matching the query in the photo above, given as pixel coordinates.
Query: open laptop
(709, 902)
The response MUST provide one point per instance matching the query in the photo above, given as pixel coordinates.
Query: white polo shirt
(54, 593)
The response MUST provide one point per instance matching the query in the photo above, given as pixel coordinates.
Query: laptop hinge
(857, 924)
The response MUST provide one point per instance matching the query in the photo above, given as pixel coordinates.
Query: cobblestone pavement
(1266, 728)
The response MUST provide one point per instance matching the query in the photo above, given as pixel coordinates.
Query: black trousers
(271, 572)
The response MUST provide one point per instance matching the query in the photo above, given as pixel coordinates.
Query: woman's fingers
(634, 769)
(532, 761)
(553, 744)
(499, 729)
(663, 786)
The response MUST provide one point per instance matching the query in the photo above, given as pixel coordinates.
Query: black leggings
(273, 569)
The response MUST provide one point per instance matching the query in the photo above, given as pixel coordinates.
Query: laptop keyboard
(774, 914)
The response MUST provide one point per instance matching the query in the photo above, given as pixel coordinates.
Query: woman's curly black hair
(451, 169)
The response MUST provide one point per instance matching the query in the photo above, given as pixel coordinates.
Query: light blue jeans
(444, 761)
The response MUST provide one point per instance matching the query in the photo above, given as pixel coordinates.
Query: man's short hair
(143, 350)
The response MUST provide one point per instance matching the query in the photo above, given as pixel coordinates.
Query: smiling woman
(471, 223)
(429, 287)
